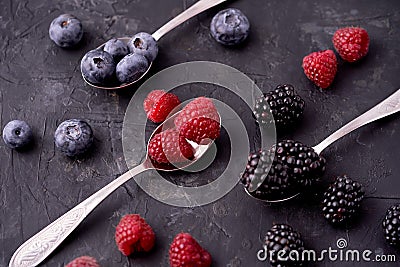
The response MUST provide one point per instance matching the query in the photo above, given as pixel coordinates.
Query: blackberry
(282, 237)
(341, 200)
(266, 177)
(283, 103)
(391, 225)
(307, 166)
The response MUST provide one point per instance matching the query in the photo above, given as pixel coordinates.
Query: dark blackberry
(283, 103)
(341, 200)
(307, 166)
(266, 177)
(391, 225)
(282, 237)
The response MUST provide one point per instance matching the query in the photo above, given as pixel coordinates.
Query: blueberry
(17, 134)
(98, 67)
(230, 27)
(131, 68)
(116, 48)
(144, 44)
(73, 137)
(66, 30)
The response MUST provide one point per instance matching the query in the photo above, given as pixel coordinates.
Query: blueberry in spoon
(143, 44)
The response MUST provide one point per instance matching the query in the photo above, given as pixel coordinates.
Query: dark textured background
(41, 83)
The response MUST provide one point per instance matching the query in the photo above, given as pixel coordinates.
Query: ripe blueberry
(230, 27)
(17, 134)
(66, 31)
(98, 67)
(73, 137)
(131, 68)
(144, 44)
(116, 48)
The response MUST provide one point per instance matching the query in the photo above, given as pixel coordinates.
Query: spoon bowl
(192, 11)
(278, 200)
(120, 86)
(387, 107)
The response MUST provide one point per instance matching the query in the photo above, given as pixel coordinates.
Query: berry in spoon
(200, 130)
(144, 44)
(169, 147)
(267, 177)
(116, 48)
(131, 68)
(199, 107)
(98, 67)
(280, 172)
(306, 164)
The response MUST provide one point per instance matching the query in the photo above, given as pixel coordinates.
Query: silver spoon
(192, 11)
(385, 108)
(39, 246)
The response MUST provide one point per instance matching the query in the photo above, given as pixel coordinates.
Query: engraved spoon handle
(39, 246)
(192, 11)
(387, 107)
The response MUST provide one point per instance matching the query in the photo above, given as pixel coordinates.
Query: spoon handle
(387, 107)
(192, 11)
(39, 246)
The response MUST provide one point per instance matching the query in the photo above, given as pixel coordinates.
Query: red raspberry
(199, 107)
(351, 43)
(133, 234)
(169, 147)
(83, 261)
(186, 252)
(158, 104)
(320, 67)
(198, 129)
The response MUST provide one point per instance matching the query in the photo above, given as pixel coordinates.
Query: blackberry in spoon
(97, 68)
(282, 172)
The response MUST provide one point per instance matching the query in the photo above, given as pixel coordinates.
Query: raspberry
(83, 261)
(198, 129)
(133, 234)
(351, 43)
(320, 67)
(169, 147)
(199, 107)
(158, 104)
(186, 252)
